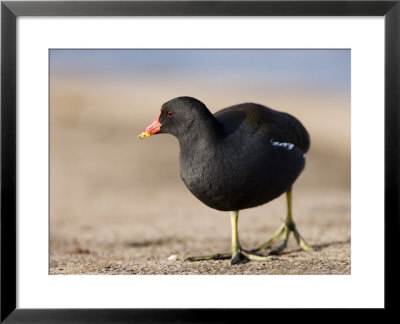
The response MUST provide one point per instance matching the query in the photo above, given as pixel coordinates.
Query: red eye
(170, 113)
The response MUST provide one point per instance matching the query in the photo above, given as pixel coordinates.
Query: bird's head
(177, 117)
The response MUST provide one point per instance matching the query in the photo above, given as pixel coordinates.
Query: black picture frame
(10, 10)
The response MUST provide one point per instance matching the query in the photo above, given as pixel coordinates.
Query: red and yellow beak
(152, 129)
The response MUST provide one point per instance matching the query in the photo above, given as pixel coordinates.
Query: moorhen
(241, 157)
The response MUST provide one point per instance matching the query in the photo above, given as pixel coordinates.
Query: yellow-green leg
(237, 251)
(286, 228)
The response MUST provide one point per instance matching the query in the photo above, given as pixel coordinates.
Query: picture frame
(11, 10)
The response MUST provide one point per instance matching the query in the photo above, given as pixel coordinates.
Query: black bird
(241, 157)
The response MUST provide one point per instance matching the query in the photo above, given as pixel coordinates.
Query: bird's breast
(242, 176)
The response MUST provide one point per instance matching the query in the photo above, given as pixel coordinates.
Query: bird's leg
(235, 238)
(286, 228)
(237, 251)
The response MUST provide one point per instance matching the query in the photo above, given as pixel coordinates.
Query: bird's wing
(254, 118)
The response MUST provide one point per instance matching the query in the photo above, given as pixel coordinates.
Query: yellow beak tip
(143, 135)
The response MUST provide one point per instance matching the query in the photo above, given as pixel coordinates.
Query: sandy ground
(118, 206)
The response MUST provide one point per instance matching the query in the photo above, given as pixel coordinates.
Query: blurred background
(117, 204)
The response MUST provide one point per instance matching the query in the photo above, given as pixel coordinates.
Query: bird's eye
(170, 113)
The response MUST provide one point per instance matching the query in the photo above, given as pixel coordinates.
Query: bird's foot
(253, 256)
(236, 257)
(285, 229)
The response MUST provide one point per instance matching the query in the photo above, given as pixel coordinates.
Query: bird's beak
(152, 129)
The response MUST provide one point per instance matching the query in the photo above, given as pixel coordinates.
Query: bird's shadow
(319, 247)
(324, 245)
(146, 243)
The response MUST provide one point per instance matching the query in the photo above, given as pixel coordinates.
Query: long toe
(285, 230)
(218, 256)
(303, 244)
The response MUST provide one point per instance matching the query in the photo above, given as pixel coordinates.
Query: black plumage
(241, 157)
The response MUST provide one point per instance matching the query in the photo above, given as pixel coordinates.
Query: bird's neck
(203, 133)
